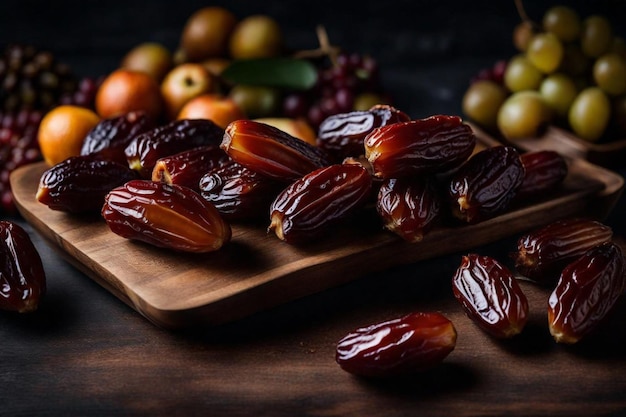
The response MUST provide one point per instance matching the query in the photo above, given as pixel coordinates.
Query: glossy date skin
(544, 171)
(239, 193)
(485, 185)
(586, 293)
(412, 343)
(490, 296)
(21, 270)
(543, 253)
(80, 183)
(307, 207)
(110, 137)
(409, 207)
(164, 215)
(271, 151)
(144, 150)
(342, 135)
(186, 168)
(435, 144)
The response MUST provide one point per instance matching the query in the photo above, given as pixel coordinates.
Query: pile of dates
(575, 258)
(182, 184)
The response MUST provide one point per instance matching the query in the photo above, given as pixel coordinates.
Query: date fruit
(412, 343)
(307, 207)
(187, 167)
(490, 296)
(485, 185)
(342, 135)
(543, 172)
(431, 145)
(144, 150)
(408, 207)
(586, 293)
(21, 270)
(271, 151)
(80, 183)
(164, 215)
(110, 137)
(239, 193)
(543, 253)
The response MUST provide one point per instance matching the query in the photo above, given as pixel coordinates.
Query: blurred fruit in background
(182, 83)
(123, 91)
(221, 110)
(292, 90)
(32, 81)
(150, 57)
(575, 64)
(62, 132)
(257, 36)
(256, 101)
(206, 33)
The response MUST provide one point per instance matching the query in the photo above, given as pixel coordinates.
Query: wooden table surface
(86, 353)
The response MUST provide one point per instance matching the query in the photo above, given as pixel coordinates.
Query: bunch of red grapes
(350, 82)
(31, 83)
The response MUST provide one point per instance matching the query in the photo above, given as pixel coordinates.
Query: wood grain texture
(256, 271)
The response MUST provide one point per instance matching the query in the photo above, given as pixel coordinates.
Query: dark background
(427, 49)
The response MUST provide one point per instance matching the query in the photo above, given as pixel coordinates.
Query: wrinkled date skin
(543, 172)
(239, 193)
(485, 185)
(80, 183)
(164, 215)
(144, 150)
(21, 270)
(543, 253)
(434, 144)
(271, 151)
(304, 209)
(110, 137)
(490, 296)
(586, 292)
(187, 167)
(409, 344)
(342, 135)
(409, 208)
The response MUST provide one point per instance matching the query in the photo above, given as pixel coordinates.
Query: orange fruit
(124, 90)
(63, 130)
(221, 110)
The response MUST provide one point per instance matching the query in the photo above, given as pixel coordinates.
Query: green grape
(590, 113)
(596, 36)
(521, 74)
(523, 115)
(559, 91)
(563, 22)
(609, 73)
(482, 100)
(545, 51)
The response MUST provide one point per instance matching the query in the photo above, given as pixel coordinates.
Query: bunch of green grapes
(569, 72)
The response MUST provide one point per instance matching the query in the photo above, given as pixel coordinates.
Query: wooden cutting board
(256, 271)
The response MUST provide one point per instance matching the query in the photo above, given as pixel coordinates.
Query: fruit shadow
(445, 378)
